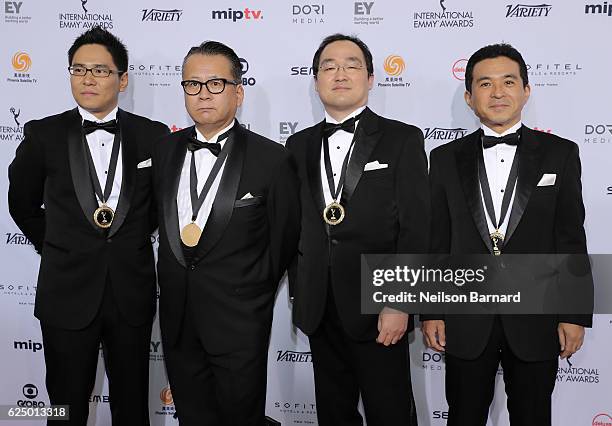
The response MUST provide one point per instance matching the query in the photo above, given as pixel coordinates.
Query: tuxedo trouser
(71, 359)
(470, 385)
(216, 389)
(344, 368)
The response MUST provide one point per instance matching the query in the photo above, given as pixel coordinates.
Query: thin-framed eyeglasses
(214, 86)
(80, 71)
(331, 68)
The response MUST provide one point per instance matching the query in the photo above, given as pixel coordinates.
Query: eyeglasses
(330, 68)
(80, 71)
(214, 86)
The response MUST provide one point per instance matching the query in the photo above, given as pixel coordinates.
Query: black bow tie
(195, 145)
(348, 126)
(92, 126)
(491, 141)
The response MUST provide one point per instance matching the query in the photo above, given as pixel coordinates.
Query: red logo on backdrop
(602, 420)
(459, 69)
(545, 131)
(175, 129)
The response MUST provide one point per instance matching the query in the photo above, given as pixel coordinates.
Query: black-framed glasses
(80, 71)
(214, 85)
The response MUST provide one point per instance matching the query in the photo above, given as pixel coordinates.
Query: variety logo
(362, 14)
(167, 403)
(528, 10)
(587, 375)
(286, 129)
(293, 356)
(598, 9)
(602, 420)
(308, 13)
(238, 15)
(444, 18)
(394, 66)
(17, 239)
(30, 392)
(444, 133)
(458, 69)
(246, 81)
(12, 13)
(10, 132)
(598, 133)
(161, 15)
(85, 20)
(27, 346)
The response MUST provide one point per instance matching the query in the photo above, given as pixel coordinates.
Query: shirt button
(502, 160)
(102, 144)
(334, 174)
(105, 172)
(502, 190)
(338, 147)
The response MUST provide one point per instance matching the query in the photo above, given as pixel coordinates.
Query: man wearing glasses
(80, 191)
(363, 190)
(229, 225)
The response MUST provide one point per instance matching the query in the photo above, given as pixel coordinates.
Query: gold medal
(190, 235)
(497, 238)
(333, 213)
(103, 216)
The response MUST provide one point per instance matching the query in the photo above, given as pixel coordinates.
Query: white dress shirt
(204, 161)
(339, 144)
(498, 162)
(100, 144)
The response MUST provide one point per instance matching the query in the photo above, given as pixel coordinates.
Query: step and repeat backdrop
(420, 50)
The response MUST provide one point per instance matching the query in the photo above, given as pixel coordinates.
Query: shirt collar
(330, 119)
(200, 136)
(488, 132)
(86, 115)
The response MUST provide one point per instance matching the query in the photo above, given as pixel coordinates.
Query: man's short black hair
(341, 37)
(98, 35)
(495, 51)
(211, 48)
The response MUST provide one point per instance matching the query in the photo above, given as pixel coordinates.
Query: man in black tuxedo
(90, 168)
(229, 225)
(533, 205)
(363, 190)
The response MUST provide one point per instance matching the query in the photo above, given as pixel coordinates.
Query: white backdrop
(420, 49)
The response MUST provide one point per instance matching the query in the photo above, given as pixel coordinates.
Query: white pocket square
(548, 179)
(374, 165)
(247, 196)
(144, 164)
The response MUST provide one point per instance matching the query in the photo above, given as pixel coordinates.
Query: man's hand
(571, 337)
(435, 334)
(392, 325)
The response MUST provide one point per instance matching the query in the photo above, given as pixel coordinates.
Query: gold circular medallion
(103, 216)
(190, 235)
(333, 213)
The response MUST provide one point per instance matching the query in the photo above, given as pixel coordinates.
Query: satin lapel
(79, 168)
(528, 172)
(223, 206)
(129, 153)
(313, 167)
(172, 169)
(367, 136)
(467, 167)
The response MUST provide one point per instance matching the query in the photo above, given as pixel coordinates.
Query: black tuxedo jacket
(244, 249)
(51, 199)
(543, 220)
(387, 211)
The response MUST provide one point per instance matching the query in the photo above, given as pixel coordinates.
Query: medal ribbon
(112, 168)
(486, 190)
(197, 201)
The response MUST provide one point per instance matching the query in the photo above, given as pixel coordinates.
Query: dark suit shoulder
(552, 141)
(450, 148)
(399, 126)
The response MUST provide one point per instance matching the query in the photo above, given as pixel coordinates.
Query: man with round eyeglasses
(90, 167)
(229, 225)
